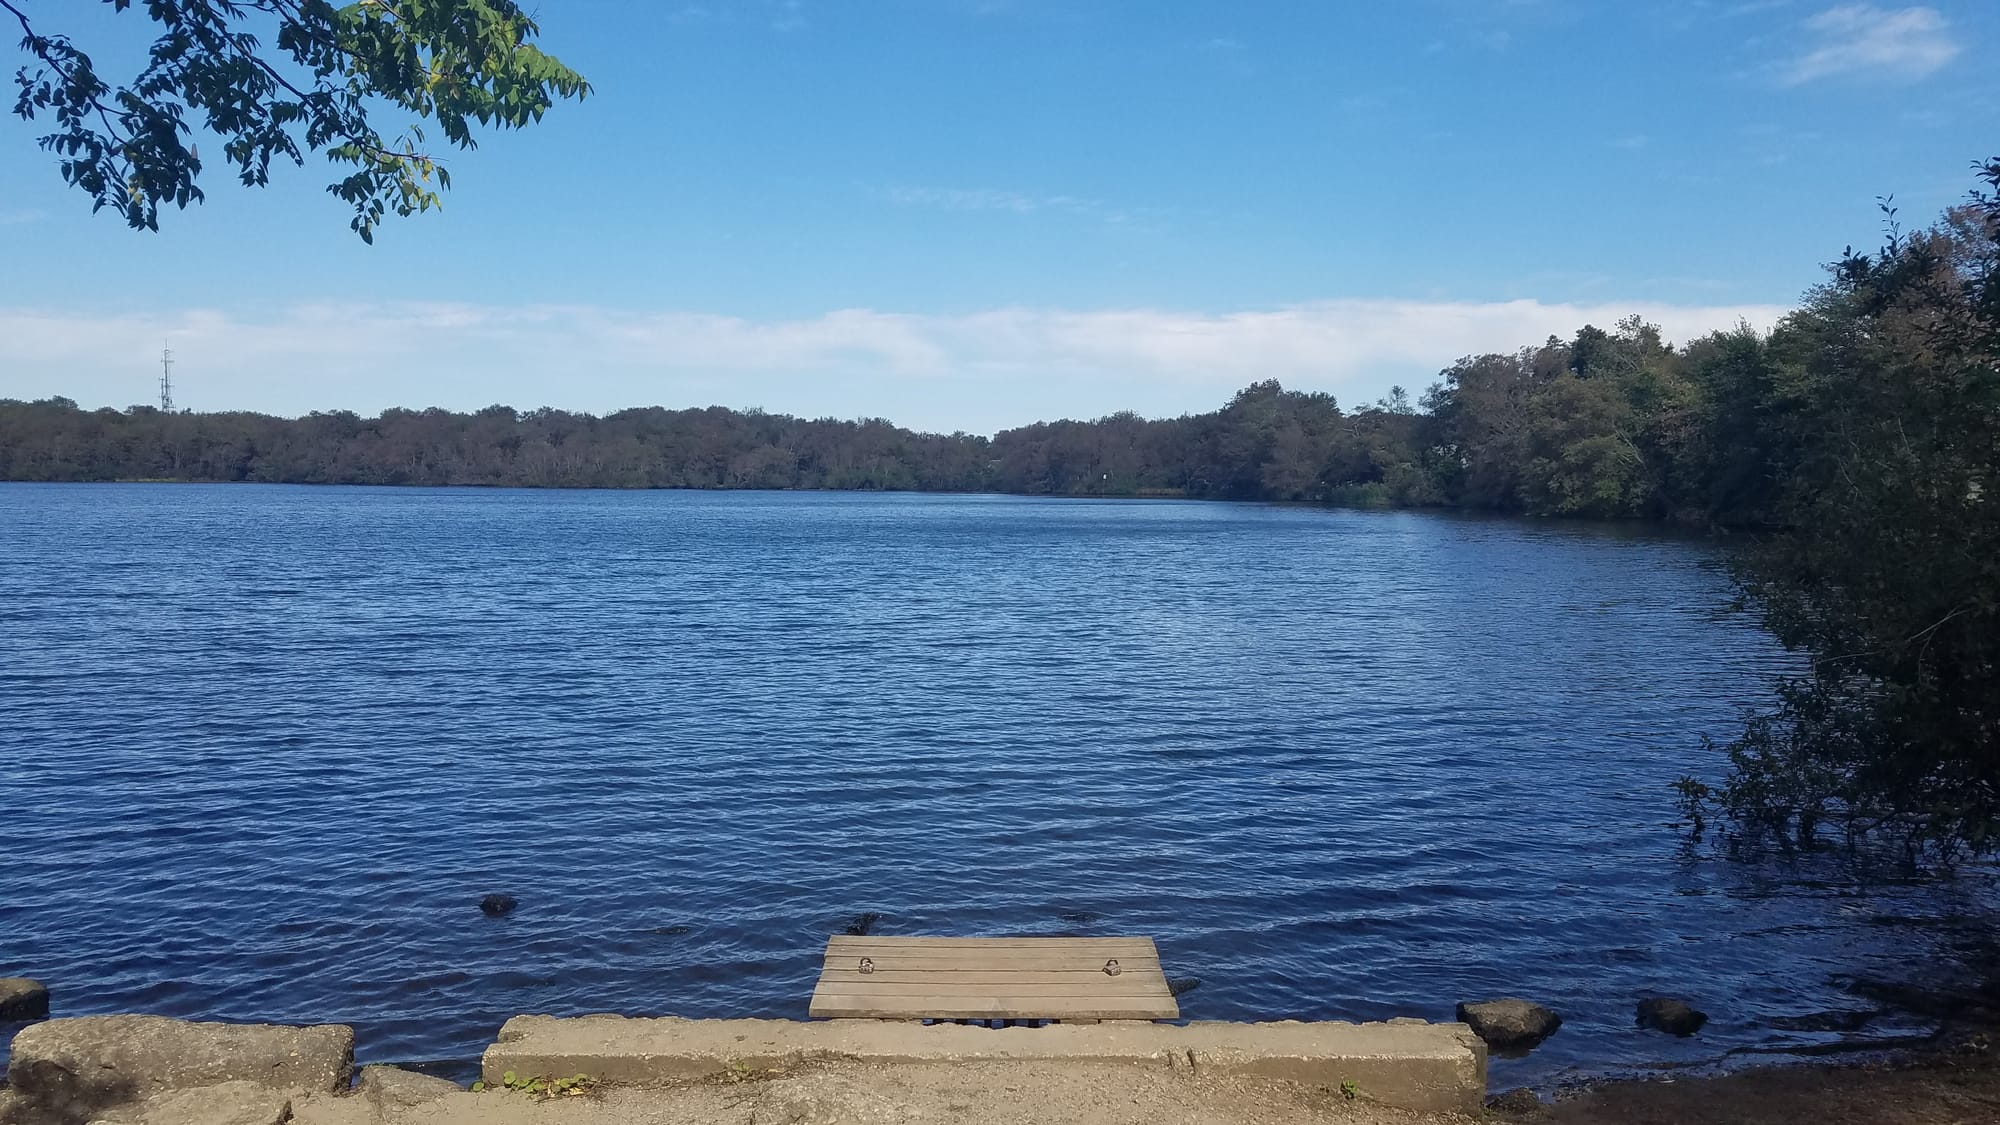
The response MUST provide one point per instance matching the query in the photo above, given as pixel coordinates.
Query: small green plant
(1350, 1089)
(576, 1085)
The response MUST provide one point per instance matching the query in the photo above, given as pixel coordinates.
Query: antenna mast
(166, 380)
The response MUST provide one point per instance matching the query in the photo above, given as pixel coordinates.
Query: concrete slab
(860, 1093)
(227, 1103)
(391, 1086)
(86, 1063)
(1411, 1065)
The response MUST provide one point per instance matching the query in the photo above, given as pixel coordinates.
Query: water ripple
(265, 748)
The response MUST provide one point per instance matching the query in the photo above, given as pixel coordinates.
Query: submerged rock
(1671, 1016)
(1519, 1102)
(23, 999)
(493, 906)
(861, 925)
(1509, 1022)
(1822, 1021)
(1182, 985)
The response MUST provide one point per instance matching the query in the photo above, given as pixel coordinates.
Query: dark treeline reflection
(1608, 423)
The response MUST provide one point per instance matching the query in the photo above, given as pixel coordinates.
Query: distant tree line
(1857, 444)
(1608, 423)
(642, 448)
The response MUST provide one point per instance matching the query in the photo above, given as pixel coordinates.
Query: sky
(974, 214)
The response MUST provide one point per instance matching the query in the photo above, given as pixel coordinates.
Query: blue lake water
(262, 750)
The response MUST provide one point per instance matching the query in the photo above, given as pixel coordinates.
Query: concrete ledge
(75, 1067)
(1405, 1063)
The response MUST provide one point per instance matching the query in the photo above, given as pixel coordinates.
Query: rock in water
(1519, 1102)
(1671, 1016)
(862, 924)
(493, 906)
(23, 999)
(1822, 1021)
(1181, 986)
(1509, 1022)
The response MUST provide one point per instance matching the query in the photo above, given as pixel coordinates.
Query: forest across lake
(1609, 423)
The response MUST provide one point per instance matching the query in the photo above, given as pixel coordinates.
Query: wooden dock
(918, 978)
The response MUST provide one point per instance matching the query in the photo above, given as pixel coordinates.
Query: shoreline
(1576, 1077)
(749, 1072)
(1953, 1081)
(1662, 524)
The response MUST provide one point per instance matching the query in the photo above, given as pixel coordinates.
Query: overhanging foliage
(131, 146)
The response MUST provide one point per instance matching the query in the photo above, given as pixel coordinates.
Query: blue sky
(975, 213)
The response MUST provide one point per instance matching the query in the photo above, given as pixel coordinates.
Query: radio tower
(166, 380)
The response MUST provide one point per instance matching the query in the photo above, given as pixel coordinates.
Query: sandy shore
(988, 1093)
(1953, 1089)
(1960, 1087)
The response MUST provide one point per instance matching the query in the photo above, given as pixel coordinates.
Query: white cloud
(1016, 202)
(790, 17)
(981, 370)
(1864, 40)
(777, 15)
(985, 199)
(1752, 7)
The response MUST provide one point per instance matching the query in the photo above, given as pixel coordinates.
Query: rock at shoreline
(1509, 1022)
(1671, 1016)
(77, 1067)
(494, 906)
(23, 999)
(390, 1087)
(1520, 1102)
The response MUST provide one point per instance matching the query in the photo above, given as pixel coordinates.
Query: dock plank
(991, 978)
(918, 941)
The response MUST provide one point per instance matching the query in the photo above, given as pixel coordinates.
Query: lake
(263, 749)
